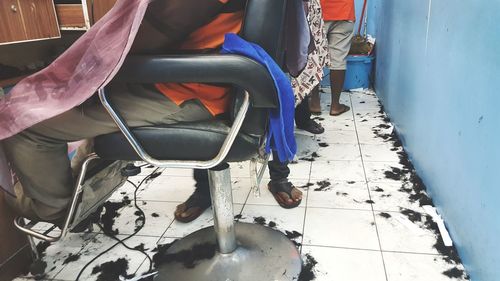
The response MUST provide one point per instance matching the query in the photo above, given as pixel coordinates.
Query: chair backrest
(263, 24)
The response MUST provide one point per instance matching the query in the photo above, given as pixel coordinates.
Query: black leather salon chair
(245, 251)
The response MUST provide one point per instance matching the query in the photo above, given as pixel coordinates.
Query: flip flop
(312, 127)
(346, 108)
(198, 202)
(285, 187)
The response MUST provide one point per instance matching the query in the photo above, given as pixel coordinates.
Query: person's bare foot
(194, 206)
(338, 110)
(185, 214)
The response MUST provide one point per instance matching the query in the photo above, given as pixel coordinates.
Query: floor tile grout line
(340, 247)
(307, 199)
(158, 240)
(327, 208)
(370, 197)
(139, 267)
(248, 196)
(379, 161)
(79, 251)
(276, 206)
(379, 182)
(408, 252)
(125, 235)
(305, 210)
(174, 237)
(342, 209)
(414, 253)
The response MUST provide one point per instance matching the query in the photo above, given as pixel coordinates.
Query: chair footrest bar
(27, 228)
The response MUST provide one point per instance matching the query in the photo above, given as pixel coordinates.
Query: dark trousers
(302, 113)
(201, 178)
(280, 171)
(277, 171)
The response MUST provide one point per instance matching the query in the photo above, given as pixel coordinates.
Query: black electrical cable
(122, 241)
(143, 216)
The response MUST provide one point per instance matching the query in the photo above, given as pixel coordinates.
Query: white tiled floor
(353, 228)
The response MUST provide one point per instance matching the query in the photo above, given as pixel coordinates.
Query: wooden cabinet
(11, 22)
(27, 20)
(101, 7)
(72, 16)
(80, 15)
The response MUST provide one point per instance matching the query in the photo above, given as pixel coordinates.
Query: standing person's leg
(339, 35)
(302, 112)
(315, 101)
(285, 193)
(38, 155)
(303, 119)
(278, 171)
(337, 81)
(198, 202)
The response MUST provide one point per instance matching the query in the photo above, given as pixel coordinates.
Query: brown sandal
(284, 187)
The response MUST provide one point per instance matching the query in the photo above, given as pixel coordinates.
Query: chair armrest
(217, 68)
(219, 158)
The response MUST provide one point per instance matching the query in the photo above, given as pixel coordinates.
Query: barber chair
(245, 251)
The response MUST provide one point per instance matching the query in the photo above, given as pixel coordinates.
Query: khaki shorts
(339, 34)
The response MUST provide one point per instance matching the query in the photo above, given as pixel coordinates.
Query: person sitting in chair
(38, 154)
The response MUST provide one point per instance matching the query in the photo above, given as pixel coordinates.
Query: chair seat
(183, 141)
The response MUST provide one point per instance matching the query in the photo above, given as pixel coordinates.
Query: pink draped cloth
(89, 64)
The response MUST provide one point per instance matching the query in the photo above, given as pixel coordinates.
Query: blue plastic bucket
(358, 71)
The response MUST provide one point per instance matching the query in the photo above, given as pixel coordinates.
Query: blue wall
(438, 75)
(372, 13)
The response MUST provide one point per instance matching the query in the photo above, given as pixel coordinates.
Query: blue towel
(281, 136)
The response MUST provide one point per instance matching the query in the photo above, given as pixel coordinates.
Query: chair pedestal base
(262, 254)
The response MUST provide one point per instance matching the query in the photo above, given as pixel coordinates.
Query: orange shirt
(338, 10)
(206, 39)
